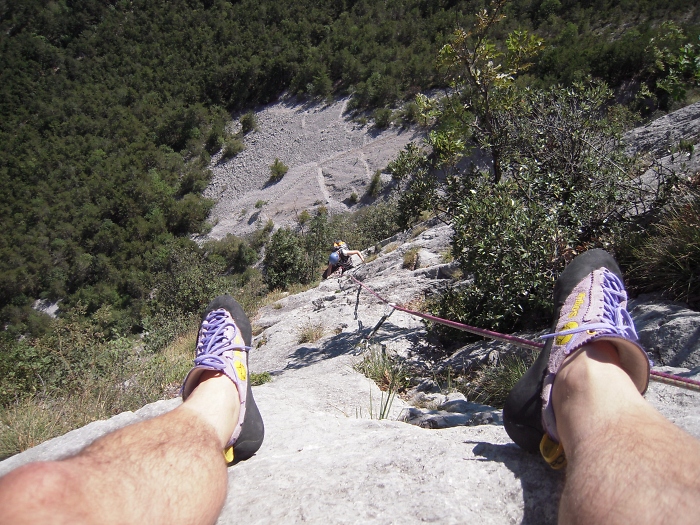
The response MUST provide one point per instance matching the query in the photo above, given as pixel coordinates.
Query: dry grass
(141, 379)
(390, 247)
(410, 259)
(310, 332)
(418, 230)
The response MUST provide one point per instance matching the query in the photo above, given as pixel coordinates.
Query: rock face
(327, 459)
(329, 157)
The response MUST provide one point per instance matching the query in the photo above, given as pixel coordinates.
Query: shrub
(382, 118)
(492, 384)
(375, 185)
(667, 257)
(353, 199)
(232, 147)
(284, 260)
(386, 371)
(410, 113)
(233, 253)
(277, 170)
(257, 379)
(249, 122)
(259, 204)
(260, 236)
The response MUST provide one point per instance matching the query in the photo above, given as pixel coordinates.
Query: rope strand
(682, 382)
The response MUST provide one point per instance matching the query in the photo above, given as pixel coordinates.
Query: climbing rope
(663, 377)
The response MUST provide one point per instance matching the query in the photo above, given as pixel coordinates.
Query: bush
(667, 257)
(260, 379)
(233, 253)
(492, 384)
(386, 371)
(284, 260)
(375, 185)
(382, 118)
(249, 122)
(353, 199)
(232, 147)
(277, 170)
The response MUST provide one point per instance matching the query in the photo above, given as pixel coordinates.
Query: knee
(33, 487)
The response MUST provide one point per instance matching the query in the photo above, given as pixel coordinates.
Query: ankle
(590, 389)
(215, 399)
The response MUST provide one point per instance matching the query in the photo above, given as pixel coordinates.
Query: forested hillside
(110, 112)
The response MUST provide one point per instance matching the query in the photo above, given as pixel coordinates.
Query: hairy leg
(626, 462)
(169, 469)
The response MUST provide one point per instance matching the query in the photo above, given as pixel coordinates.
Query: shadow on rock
(341, 344)
(541, 485)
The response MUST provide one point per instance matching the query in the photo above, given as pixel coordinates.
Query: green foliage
(483, 79)
(375, 185)
(260, 203)
(231, 252)
(418, 187)
(666, 257)
(492, 384)
(386, 371)
(560, 181)
(303, 218)
(277, 170)
(284, 260)
(675, 65)
(353, 199)
(232, 147)
(382, 118)
(249, 122)
(260, 236)
(410, 259)
(260, 379)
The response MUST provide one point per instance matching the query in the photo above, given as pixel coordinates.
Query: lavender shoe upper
(596, 309)
(217, 350)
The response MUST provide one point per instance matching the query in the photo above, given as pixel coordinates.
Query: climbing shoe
(222, 346)
(590, 305)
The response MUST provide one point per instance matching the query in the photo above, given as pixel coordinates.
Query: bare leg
(626, 462)
(169, 469)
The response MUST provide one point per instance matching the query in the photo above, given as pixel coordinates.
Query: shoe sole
(522, 411)
(253, 430)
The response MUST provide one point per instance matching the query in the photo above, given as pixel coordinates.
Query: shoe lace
(215, 339)
(615, 319)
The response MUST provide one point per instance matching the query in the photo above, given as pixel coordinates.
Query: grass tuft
(310, 332)
(492, 384)
(410, 259)
(260, 379)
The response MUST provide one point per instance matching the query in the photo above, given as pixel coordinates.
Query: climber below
(340, 259)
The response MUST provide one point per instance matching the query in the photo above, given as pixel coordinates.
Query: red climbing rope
(517, 341)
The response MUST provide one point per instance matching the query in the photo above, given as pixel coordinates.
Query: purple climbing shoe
(222, 346)
(590, 305)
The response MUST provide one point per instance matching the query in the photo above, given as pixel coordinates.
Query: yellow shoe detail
(577, 305)
(240, 370)
(552, 452)
(563, 339)
(228, 454)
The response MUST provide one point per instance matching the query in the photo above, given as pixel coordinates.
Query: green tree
(278, 169)
(284, 260)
